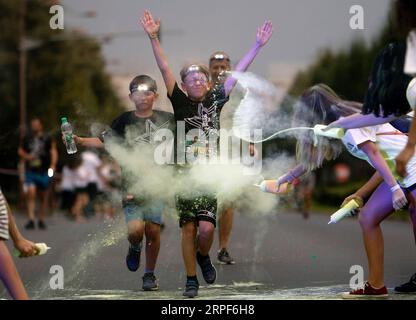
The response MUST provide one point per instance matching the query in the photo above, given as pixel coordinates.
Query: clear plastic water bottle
(66, 129)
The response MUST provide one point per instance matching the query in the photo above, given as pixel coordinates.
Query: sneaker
(367, 292)
(224, 257)
(408, 287)
(208, 270)
(191, 288)
(41, 225)
(30, 225)
(133, 259)
(149, 282)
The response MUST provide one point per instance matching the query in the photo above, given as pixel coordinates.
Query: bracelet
(395, 187)
(153, 35)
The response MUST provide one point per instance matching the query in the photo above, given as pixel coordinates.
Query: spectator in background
(304, 192)
(81, 179)
(39, 153)
(219, 64)
(67, 184)
(91, 164)
(110, 176)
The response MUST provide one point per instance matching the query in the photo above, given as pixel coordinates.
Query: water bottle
(66, 129)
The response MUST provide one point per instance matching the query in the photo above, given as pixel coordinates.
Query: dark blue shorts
(40, 180)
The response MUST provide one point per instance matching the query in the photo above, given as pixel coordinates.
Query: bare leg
(225, 224)
(412, 211)
(152, 231)
(31, 202)
(206, 237)
(135, 231)
(9, 274)
(43, 204)
(189, 230)
(378, 207)
(80, 202)
(307, 202)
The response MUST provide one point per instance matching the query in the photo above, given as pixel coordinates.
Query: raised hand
(151, 26)
(264, 33)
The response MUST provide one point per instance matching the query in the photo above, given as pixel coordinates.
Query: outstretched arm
(152, 27)
(359, 120)
(263, 35)
(291, 176)
(89, 142)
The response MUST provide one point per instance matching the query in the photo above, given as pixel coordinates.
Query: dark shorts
(411, 188)
(92, 191)
(79, 190)
(67, 199)
(200, 208)
(39, 180)
(409, 197)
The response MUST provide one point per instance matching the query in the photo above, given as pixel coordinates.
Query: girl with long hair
(378, 145)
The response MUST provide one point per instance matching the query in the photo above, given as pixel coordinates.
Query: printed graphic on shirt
(151, 129)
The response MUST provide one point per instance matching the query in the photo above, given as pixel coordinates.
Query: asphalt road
(278, 256)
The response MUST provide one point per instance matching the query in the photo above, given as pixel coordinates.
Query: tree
(65, 77)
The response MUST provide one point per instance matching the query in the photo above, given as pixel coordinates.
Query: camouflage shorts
(200, 208)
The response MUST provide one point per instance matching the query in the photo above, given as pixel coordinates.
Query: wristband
(153, 35)
(394, 188)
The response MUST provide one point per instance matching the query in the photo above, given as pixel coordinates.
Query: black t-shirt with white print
(134, 132)
(203, 115)
(40, 148)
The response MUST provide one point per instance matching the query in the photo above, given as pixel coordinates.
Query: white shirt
(91, 162)
(68, 179)
(390, 143)
(410, 62)
(81, 176)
